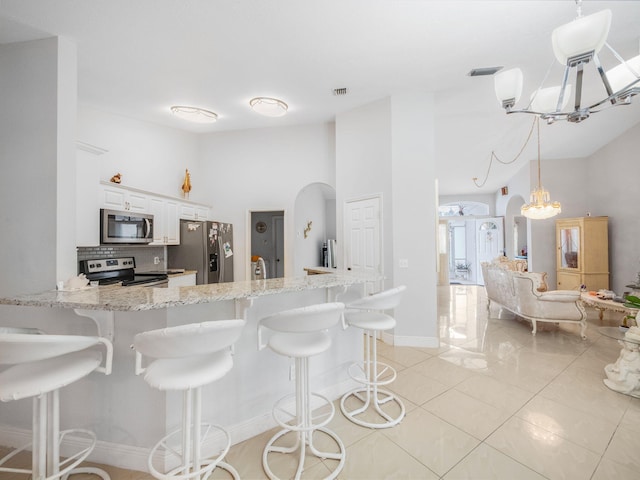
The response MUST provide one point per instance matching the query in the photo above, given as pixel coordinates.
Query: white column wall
(66, 159)
(387, 148)
(38, 92)
(363, 168)
(414, 224)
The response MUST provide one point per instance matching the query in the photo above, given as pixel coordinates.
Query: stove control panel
(108, 264)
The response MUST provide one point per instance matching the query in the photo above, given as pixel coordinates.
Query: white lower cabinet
(166, 228)
(186, 280)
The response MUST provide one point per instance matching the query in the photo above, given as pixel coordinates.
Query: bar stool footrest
(304, 442)
(284, 412)
(208, 464)
(371, 401)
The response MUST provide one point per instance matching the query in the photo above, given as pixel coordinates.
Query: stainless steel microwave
(125, 227)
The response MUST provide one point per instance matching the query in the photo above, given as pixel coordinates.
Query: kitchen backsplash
(144, 255)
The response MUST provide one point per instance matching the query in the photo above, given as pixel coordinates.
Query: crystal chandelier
(575, 45)
(540, 205)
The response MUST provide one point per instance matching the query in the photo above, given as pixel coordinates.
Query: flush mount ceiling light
(269, 107)
(194, 114)
(540, 205)
(575, 45)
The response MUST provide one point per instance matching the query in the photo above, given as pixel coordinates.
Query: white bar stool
(40, 365)
(301, 333)
(367, 314)
(186, 358)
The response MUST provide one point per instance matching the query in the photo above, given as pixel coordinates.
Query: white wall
(149, 156)
(566, 181)
(612, 176)
(264, 169)
(603, 184)
(37, 100)
(414, 216)
(363, 168)
(386, 147)
(487, 199)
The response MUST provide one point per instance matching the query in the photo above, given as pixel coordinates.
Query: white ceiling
(137, 58)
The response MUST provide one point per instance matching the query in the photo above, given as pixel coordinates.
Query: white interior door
(489, 242)
(363, 239)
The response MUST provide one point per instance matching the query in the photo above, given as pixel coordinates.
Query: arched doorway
(315, 224)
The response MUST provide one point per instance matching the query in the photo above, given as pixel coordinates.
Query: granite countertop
(135, 298)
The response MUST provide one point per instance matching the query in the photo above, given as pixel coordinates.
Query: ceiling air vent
(483, 71)
(339, 91)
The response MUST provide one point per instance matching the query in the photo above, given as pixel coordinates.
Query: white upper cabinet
(191, 211)
(166, 229)
(119, 198)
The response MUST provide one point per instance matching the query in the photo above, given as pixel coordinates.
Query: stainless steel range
(109, 271)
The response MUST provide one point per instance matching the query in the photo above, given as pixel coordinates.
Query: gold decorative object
(186, 185)
(307, 229)
(117, 178)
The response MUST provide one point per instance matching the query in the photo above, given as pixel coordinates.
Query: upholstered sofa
(525, 294)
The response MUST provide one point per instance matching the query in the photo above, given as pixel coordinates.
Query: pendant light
(540, 205)
(577, 45)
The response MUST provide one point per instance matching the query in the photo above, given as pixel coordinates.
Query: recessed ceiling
(138, 58)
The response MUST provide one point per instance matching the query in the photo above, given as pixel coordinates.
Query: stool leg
(370, 393)
(39, 454)
(53, 433)
(197, 428)
(186, 431)
(302, 399)
(304, 428)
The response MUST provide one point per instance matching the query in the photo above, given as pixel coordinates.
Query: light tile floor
(493, 402)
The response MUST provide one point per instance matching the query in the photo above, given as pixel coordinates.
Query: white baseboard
(135, 458)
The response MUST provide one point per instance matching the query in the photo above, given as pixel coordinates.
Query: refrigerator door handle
(221, 261)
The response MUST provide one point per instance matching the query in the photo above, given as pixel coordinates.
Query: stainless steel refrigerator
(206, 247)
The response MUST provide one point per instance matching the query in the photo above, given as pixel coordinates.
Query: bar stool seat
(368, 314)
(370, 320)
(40, 365)
(189, 372)
(301, 344)
(186, 358)
(42, 376)
(301, 333)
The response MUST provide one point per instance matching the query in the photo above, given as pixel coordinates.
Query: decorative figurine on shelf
(307, 229)
(186, 185)
(117, 178)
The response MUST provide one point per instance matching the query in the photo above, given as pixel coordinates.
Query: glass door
(569, 247)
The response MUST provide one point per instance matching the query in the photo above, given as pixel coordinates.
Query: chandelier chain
(495, 157)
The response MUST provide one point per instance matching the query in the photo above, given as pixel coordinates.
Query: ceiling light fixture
(575, 45)
(194, 114)
(540, 205)
(269, 107)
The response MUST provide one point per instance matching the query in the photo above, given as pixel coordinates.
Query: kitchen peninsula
(127, 415)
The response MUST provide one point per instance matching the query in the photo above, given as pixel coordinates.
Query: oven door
(125, 227)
